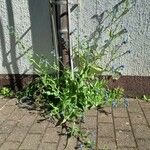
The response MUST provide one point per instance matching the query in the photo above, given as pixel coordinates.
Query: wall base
(15, 81)
(134, 86)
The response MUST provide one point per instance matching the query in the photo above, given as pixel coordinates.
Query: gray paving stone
(122, 124)
(134, 106)
(120, 112)
(143, 144)
(51, 135)
(141, 131)
(90, 122)
(31, 142)
(147, 112)
(148, 119)
(10, 146)
(38, 127)
(92, 112)
(11, 102)
(7, 110)
(47, 146)
(105, 130)
(126, 148)
(18, 134)
(71, 143)
(144, 104)
(17, 114)
(125, 139)
(7, 126)
(27, 120)
(3, 138)
(3, 102)
(20, 126)
(137, 118)
(106, 118)
(106, 143)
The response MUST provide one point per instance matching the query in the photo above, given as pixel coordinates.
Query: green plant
(146, 98)
(66, 98)
(6, 92)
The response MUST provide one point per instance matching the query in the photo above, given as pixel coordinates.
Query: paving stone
(27, 120)
(147, 115)
(51, 135)
(122, 124)
(134, 107)
(125, 139)
(3, 137)
(126, 148)
(105, 110)
(10, 146)
(47, 146)
(148, 119)
(144, 104)
(106, 143)
(90, 122)
(51, 125)
(7, 110)
(102, 117)
(31, 142)
(141, 131)
(17, 114)
(92, 112)
(38, 127)
(147, 112)
(3, 102)
(11, 102)
(7, 126)
(120, 112)
(19, 121)
(71, 143)
(2, 119)
(105, 130)
(143, 144)
(137, 118)
(18, 134)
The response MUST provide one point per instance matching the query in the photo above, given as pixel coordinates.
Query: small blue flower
(114, 104)
(121, 67)
(126, 102)
(81, 146)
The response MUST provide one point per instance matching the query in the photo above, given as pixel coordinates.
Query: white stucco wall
(32, 25)
(137, 23)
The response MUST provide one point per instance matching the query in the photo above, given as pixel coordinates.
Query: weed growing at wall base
(6, 92)
(65, 98)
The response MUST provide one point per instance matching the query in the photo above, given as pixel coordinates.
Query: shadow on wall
(14, 79)
(41, 31)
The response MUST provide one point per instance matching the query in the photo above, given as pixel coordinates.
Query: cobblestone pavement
(122, 128)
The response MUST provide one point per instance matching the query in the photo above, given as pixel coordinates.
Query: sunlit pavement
(123, 128)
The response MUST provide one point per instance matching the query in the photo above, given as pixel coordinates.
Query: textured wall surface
(30, 20)
(137, 23)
